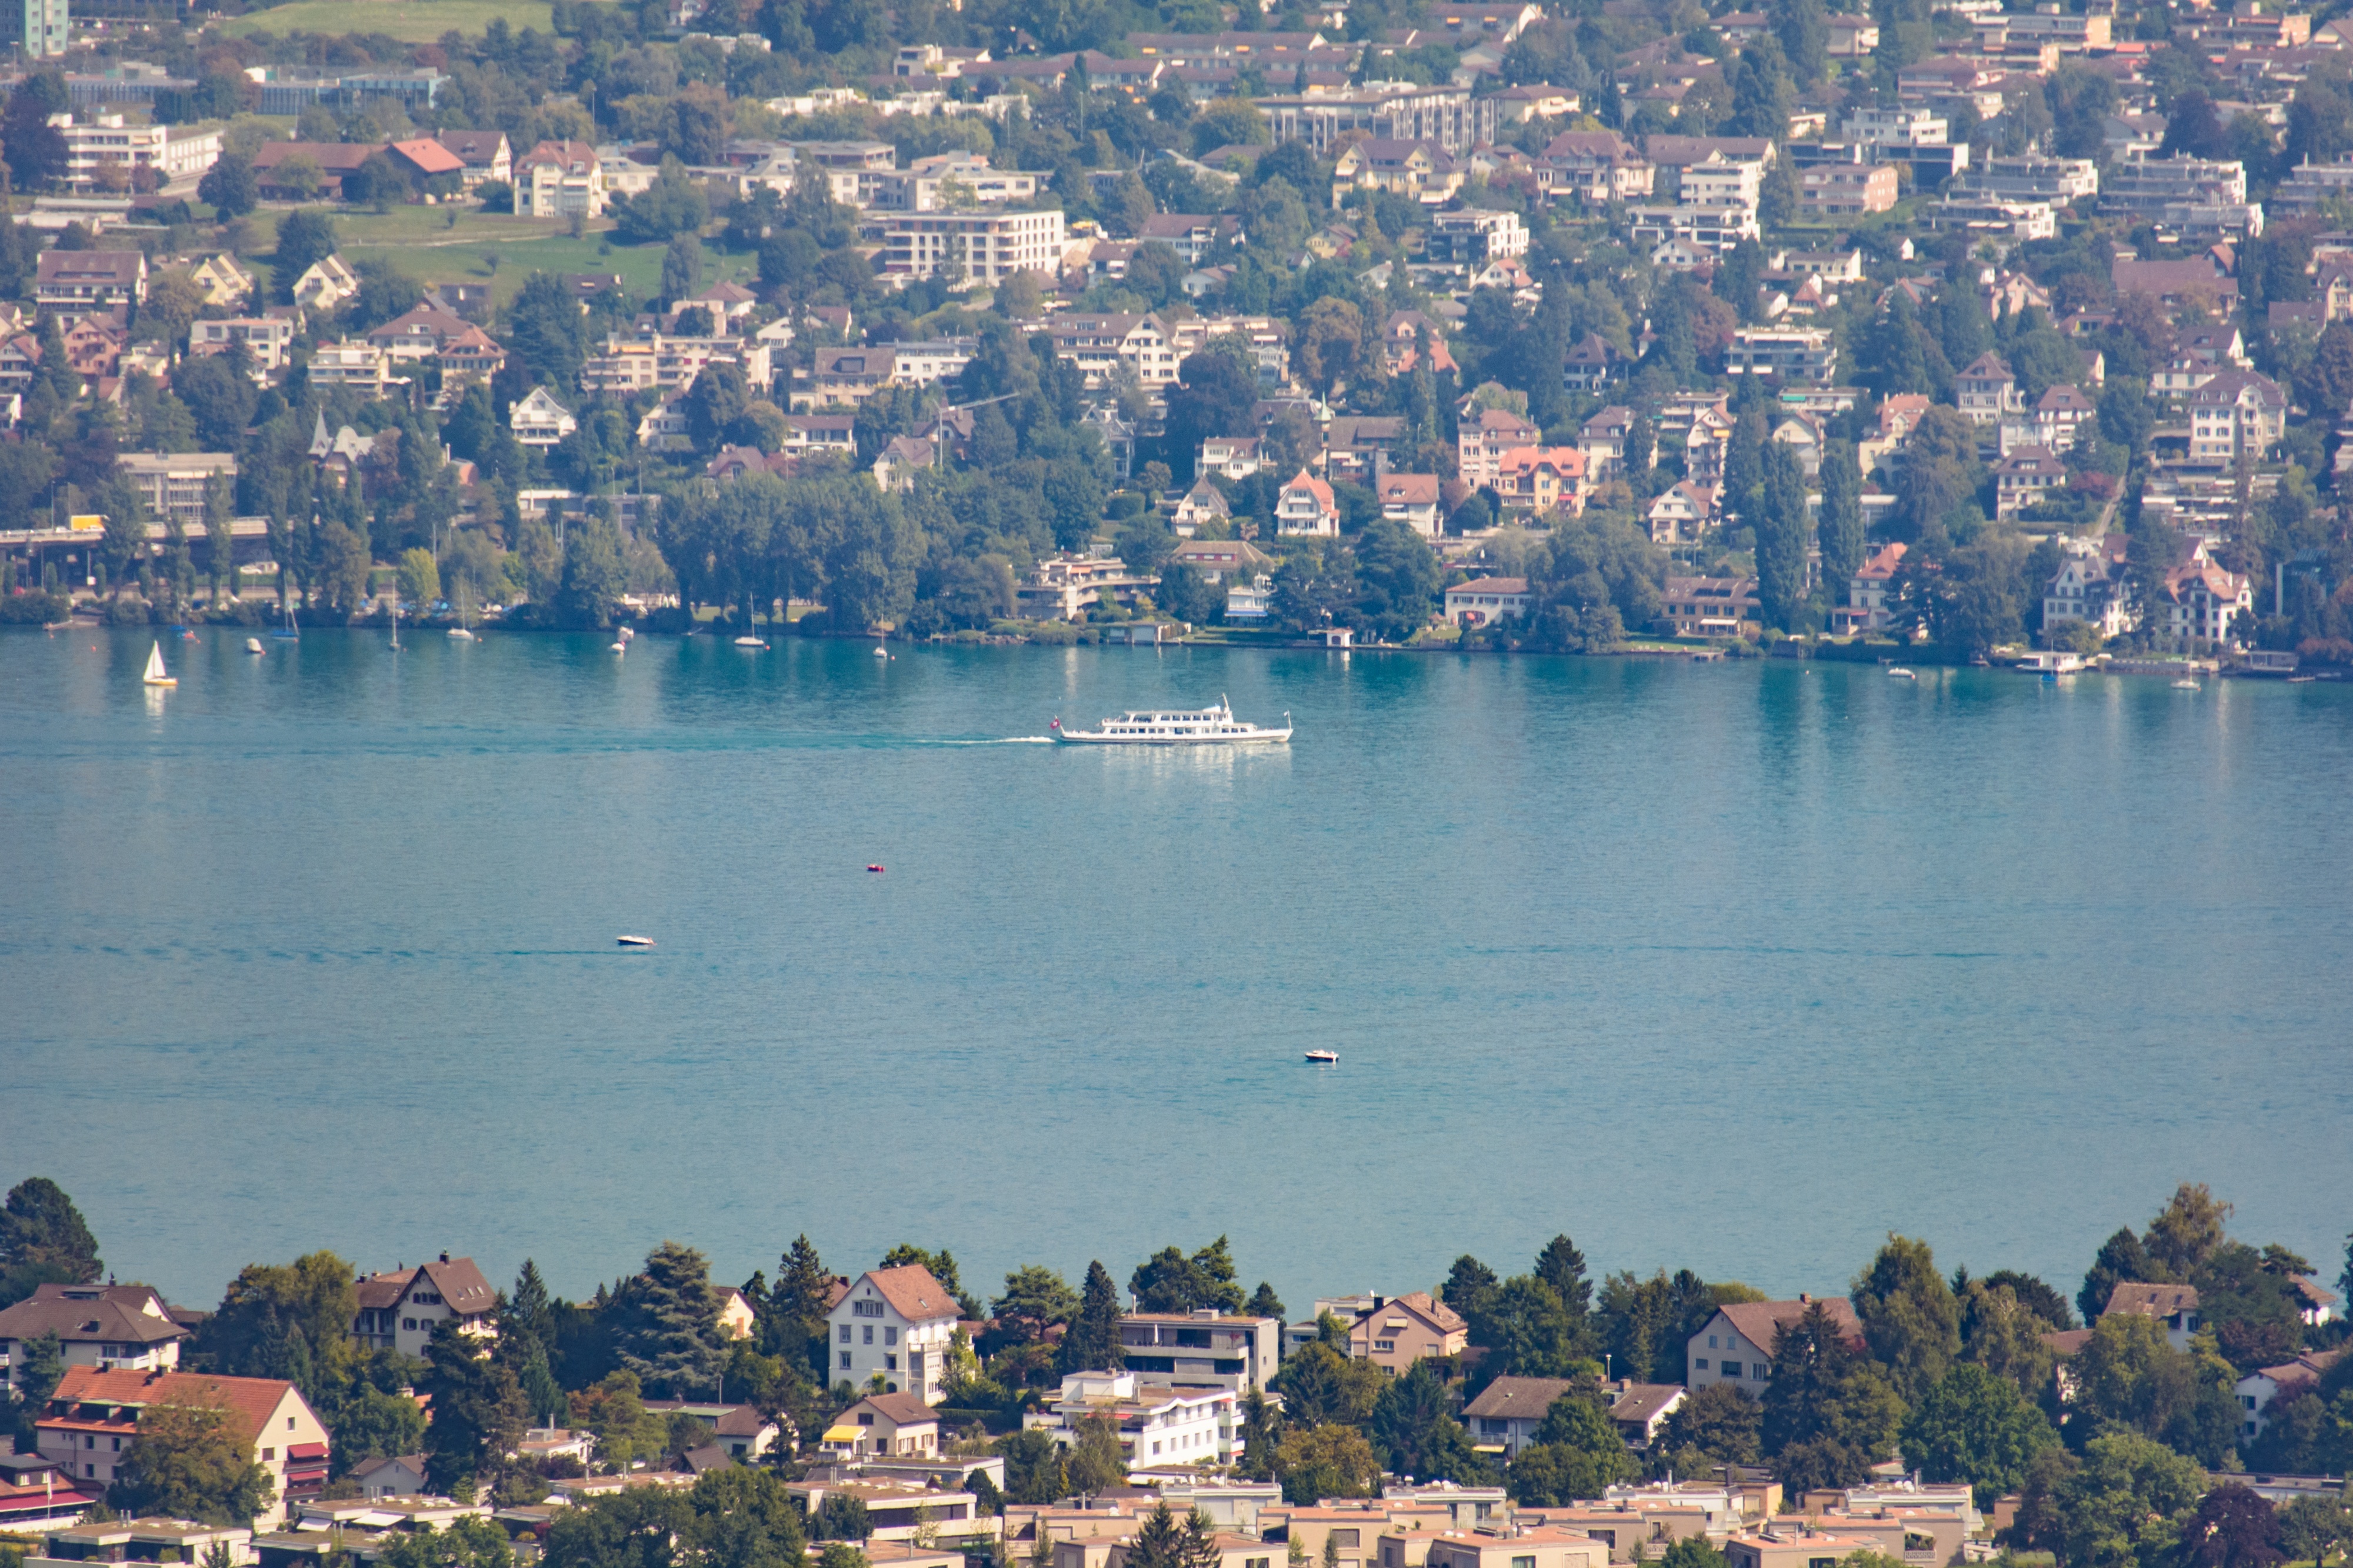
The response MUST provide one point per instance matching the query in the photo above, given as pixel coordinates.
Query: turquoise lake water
(1733, 967)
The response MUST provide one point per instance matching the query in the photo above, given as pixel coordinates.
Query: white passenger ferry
(1202, 727)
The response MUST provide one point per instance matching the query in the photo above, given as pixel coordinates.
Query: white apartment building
(1711, 227)
(96, 143)
(893, 1324)
(1206, 1349)
(1721, 181)
(559, 179)
(540, 421)
(1158, 1426)
(1101, 345)
(94, 1416)
(1896, 128)
(1806, 354)
(987, 248)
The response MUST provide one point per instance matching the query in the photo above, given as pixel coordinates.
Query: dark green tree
(1841, 525)
(305, 236)
(1830, 1413)
(1782, 525)
(2122, 1260)
(666, 1327)
(185, 1463)
(1093, 1342)
(229, 187)
(43, 1240)
(1910, 1319)
(478, 1414)
(1976, 1426)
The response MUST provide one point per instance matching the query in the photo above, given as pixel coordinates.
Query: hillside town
(323, 1414)
(1942, 331)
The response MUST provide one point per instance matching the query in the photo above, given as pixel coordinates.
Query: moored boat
(156, 676)
(1183, 727)
(1332, 1057)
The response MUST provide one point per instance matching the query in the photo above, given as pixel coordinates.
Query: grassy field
(410, 21)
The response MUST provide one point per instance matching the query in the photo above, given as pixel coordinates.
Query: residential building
(1068, 586)
(79, 282)
(1471, 236)
(221, 281)
(2059, 413)
(1602, 439)
(1679, 513)
(94, 1416)
(666, 363)
(1640, 1409)
(1102, 346)
(982, 247)
(1484, 602)
(2258, 1389)
(538, 420)
(1218, 560)
(1479, 443)
(1591, 364)
(36, 1493)
(418, 333)
(1229, 457)
(1359, 448)
(111, 1327)
(1737, 1344)
(1205, 503)
(559, 179)
(1895, 128)
(1593, 166)
(897, 1515)
(1412, 499)
(2145, 186)
(1718, 180)
(1795, 1545)
(484, 154)
(174, 483)
(144, 1540)
(1718, 229)
(1158, 1425)
(37, 28)
(892, 1324)
(2235, 412)
(354, 363)
(1508, 1411)
(1987, 392)
(1532, 480)
(1204, 1349)
(1421, 170)
(1305, 506)
(890, 1425)
(1400, 111)
(2022, 476)
(1196, 238)
(1401, 1329)
(2090, 586)
(325, 284)
(2195, 610)
(1802, 353)
(399, 1308)
(1870, 592)
(1517, 1548)
(1845, 190)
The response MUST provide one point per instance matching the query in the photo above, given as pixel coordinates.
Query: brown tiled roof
(2151, 1301)
(912, 1293)
(1517, 1398)
(476, 147)
(102, 1313)
(1643, 1401)
(249, 1401)
(899, 1409)
(1761, 1322)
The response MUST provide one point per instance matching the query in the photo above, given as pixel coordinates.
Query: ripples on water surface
(1731, 967)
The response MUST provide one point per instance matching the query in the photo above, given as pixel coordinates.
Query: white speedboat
(1331, 1058)
(253, 645)
(635, 941)
(1900, 673)
(1196, 727)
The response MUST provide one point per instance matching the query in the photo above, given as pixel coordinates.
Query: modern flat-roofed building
(986, 246)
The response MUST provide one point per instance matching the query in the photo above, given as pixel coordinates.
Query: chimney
(445, 1257)
(1804, 1299)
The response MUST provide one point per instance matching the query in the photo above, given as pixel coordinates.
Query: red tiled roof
(249, 1401)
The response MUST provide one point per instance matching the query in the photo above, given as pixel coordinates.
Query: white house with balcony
(1158, 1425)
(893, 1325)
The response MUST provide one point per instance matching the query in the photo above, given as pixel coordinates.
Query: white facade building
(893, 1324)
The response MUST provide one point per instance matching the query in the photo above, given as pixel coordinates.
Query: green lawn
(410, 21)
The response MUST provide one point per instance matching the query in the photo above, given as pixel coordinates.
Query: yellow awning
(843, 1434)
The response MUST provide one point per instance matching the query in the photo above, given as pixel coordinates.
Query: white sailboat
(155, 672)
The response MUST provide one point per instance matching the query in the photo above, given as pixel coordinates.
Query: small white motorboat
(1898, 672)
(253, 645)
(156, 674)
(1327, 1057)
(2186, 684)
(461, 634)
(634, 940)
